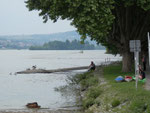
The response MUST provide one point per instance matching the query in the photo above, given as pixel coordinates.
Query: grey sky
(15, 19)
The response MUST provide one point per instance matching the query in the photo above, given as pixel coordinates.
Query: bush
(115, 103)
(90, 82)
(84, 84)
(93, 81)
(94, 92)
(91, 96)
(97, 102)
(87, 103)
(80, 77)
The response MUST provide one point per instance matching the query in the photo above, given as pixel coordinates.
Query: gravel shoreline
(39, 111)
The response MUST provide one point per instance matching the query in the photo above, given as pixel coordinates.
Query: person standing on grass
(144, 62)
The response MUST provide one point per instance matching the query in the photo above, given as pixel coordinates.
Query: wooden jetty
(31, 71)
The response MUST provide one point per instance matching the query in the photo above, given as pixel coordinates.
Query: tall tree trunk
(127, 62)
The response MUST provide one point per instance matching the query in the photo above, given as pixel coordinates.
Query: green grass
(137, 101)
(113, 97)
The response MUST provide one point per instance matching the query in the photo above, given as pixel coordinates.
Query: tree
(67, 45)
(110, 22)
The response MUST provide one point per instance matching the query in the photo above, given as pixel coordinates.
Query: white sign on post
(135, 46)
(135, 49)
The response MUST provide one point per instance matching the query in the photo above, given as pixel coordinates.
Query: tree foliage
(91, 17)
(112, 23)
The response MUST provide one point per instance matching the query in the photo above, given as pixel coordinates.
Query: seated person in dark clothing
(141, 72)
(92, 66)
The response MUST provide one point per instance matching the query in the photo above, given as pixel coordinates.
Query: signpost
(148, 47)
(135, 46)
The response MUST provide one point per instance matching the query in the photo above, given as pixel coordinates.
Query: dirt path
(99, 73)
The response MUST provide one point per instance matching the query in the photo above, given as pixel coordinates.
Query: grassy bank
(109, 96)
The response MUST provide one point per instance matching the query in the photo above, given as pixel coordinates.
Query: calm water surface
(18, 90)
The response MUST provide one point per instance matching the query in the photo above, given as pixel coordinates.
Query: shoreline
(67, 109)
(39, 111)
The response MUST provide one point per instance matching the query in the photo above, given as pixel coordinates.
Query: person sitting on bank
(141, 72)
(92, 66)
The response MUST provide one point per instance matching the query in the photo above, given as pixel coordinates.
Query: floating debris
(33, 105)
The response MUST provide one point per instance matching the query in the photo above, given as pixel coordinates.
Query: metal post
(135, 46)
(137, 69)
(135, 62)
(135, 57)
(148, 47)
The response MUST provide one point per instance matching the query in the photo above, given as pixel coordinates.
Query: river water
(18, 90)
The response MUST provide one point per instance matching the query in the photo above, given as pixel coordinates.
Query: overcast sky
(15, 19)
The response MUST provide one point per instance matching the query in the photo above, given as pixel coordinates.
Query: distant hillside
(43, 38)
(25, 41)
